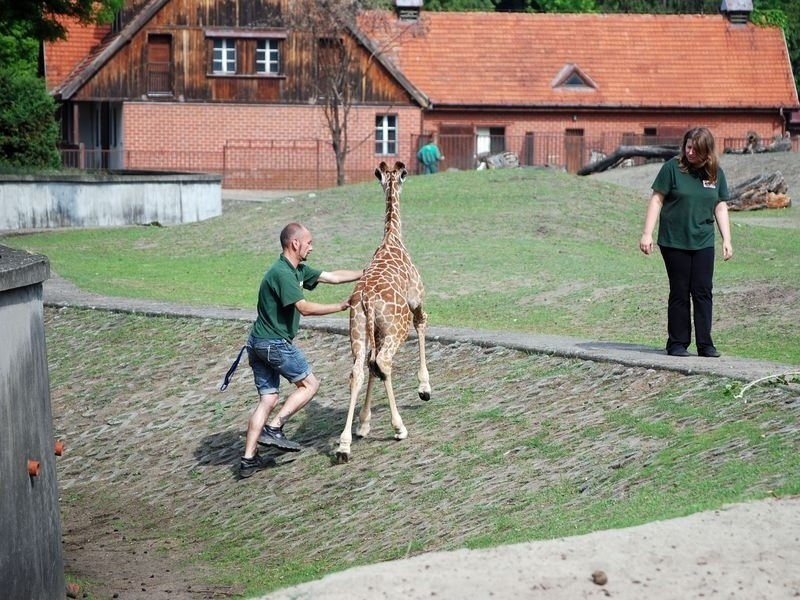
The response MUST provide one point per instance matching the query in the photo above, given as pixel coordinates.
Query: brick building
(231, 86)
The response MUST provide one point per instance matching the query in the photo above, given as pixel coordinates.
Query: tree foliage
(28, 131)
(40, 19)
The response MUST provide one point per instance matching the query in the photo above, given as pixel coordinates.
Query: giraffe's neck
(392, 227)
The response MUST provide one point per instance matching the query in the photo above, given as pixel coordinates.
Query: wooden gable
(216, 51)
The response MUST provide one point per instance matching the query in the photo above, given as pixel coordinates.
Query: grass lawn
(523, 250)
(512, 447)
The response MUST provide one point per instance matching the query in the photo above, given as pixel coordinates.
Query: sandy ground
(749, 551)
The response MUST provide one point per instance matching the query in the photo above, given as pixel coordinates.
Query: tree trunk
(761, 191)
(625, 152)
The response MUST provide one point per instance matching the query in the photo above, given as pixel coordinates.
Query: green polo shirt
(281, 287)
(687, 216)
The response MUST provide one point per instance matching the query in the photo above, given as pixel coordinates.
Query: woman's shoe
(678, 352)
(709, 352)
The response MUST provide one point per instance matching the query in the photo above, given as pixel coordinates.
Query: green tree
(18, 49)
(41, 18)
(785, 14)
(28, 131)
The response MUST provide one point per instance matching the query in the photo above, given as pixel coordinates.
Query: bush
(28, 129)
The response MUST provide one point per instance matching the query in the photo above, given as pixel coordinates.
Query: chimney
(408, 10)
(737, 11)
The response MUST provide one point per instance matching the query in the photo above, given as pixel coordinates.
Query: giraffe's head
(391, 177)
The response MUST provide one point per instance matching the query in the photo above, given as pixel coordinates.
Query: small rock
(599, 577)
(73, 590)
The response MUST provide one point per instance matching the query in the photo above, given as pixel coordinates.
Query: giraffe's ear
(403, 174)
(380, 171)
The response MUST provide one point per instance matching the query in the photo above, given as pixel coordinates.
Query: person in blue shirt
(689, 196)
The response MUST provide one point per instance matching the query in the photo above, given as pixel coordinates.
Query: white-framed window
(385, 134)
(268, 57)
(224, 58)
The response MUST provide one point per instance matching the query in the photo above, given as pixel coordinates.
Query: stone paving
(161, 442)
(60, 292)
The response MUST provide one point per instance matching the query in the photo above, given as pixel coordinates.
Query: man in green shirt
(269, 347)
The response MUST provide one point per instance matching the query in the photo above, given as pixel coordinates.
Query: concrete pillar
(31, 559)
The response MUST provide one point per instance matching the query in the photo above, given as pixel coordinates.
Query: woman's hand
(646, 243)
(727, 251)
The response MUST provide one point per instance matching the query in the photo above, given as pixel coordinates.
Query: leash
(232, 370)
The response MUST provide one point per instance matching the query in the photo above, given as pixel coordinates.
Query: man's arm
(307, 308)
(341, 276)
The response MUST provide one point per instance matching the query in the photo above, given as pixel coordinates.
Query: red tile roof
(62, 56)
(514, 59)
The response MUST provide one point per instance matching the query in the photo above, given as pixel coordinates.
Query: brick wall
(596, 125)
(288, 147)
(262, 147)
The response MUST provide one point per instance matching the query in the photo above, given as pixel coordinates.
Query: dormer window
(571, 77)
(408, 10)
(574, 79)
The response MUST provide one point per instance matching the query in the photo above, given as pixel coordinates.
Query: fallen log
(498, 161)
(761, 191)
(625, 152)
(753, 145)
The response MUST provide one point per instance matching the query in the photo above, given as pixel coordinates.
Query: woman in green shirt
(689, 195)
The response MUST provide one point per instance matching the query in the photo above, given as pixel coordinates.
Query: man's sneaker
(273, 436)
(248, 466)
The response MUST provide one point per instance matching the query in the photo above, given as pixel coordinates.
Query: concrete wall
(107, 199)
(31, 561)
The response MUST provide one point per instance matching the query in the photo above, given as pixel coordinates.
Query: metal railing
(159, 79)
(310, 164)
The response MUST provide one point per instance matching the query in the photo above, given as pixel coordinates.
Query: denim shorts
(271, 359)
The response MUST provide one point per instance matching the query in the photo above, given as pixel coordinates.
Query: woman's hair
(703, 144)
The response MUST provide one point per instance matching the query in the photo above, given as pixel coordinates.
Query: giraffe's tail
(374, 369)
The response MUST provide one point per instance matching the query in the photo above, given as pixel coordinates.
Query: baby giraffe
(385, 300)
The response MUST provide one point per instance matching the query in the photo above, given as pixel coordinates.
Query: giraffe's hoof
(401, 434)
(363, 431)
(425, 396)
(342, 457)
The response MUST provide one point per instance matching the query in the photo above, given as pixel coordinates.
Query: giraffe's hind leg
(358, 349)
(421, 325)
(384, 360)
(400, 431)
(365, 416)
(356, 380)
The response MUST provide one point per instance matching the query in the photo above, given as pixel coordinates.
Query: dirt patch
(116, 546)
